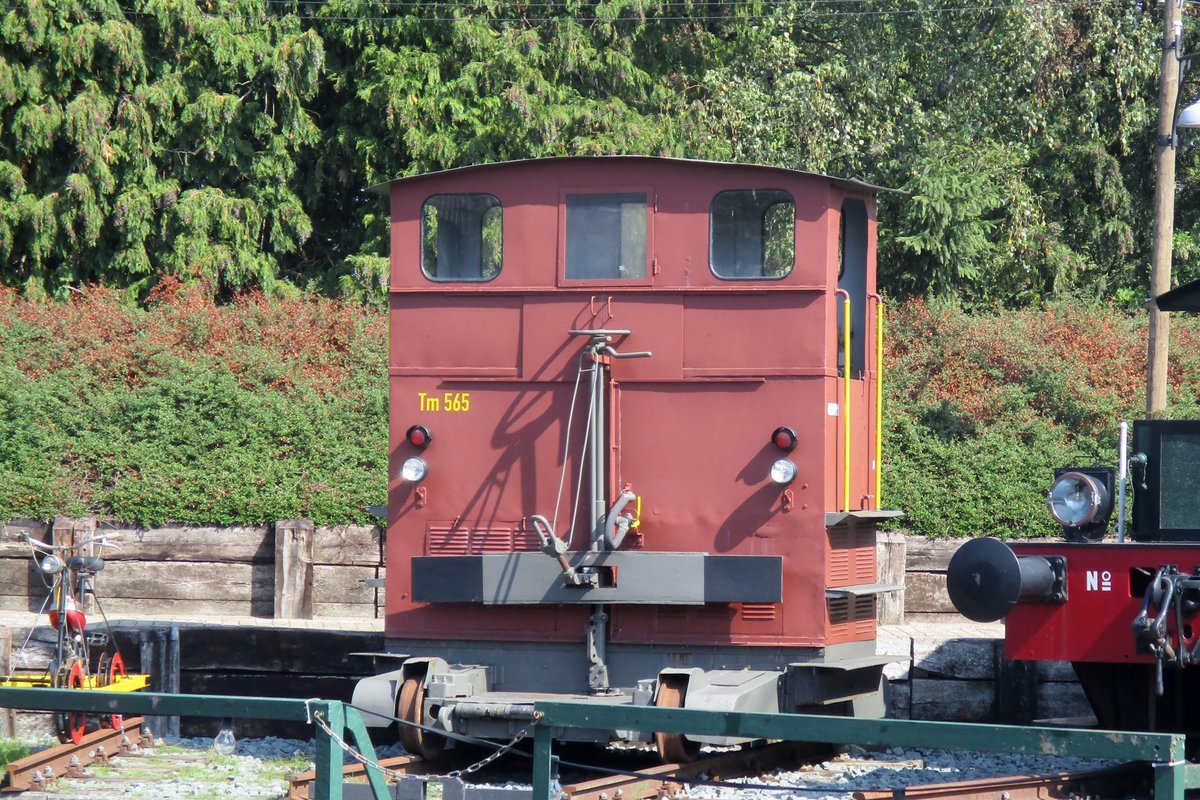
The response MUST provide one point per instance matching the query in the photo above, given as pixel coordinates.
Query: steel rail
(95, 746)
(299, 783)
(1125, 780)
(652, 781)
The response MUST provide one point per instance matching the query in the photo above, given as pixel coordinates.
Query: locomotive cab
(634, 452)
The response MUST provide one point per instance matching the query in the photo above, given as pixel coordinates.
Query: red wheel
(116, 669)
(672, 747)
(410, 708)
(71, 724)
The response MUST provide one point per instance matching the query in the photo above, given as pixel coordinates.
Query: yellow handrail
(878, 400)
(845, 399)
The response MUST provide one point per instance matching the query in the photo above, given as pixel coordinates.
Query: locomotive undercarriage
(487, 689)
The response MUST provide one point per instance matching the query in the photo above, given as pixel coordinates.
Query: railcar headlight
(1081, 500)
(413, 469)
(51, 565)
(783, 472)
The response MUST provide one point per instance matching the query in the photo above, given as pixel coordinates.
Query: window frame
(421, 238)
(651, 208)
(712, 230)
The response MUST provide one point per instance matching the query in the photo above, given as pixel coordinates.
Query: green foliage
(192, 412)
(228, 143)
(12, 750)
(151, 141)
(1023, 132)
(983, 406)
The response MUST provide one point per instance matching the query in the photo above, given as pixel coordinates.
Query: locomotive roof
(849, 182)
(1181, 298)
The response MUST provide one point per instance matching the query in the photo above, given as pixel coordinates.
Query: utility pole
(1164, 212)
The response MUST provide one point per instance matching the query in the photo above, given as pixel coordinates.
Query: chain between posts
(395, 775)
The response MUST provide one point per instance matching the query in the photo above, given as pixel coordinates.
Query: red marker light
(418, 436)
(784, 439)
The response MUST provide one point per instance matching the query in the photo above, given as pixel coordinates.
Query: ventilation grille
(851, 557)
(446, 541)
(851, 618)
(758, 612)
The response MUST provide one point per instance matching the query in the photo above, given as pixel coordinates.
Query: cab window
(461, 237)
(606, 236)
(753, 234)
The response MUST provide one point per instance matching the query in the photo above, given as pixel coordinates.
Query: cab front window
(606, 236)
(462, 237)
(753, 234)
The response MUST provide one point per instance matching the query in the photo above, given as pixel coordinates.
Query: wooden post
(160, 660)
(890, 558)
(293, 569)
(8, 716)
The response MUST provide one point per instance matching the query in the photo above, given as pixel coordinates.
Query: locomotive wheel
(116, 669)
(672, 747)
(410, 708)
(72, 724)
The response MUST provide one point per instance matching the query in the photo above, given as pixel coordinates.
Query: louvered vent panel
(444, 541)
(838, 570)
(447, 542)
(758, 612)
(851, 557)
(839, 610)
(851, 619)
(493, 540)
(526, 540)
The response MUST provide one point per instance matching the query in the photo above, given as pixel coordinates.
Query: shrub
(981, 407)
(194, 412)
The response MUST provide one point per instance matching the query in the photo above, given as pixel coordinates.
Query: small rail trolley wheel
(411, 708)
(672, 747)
(115, 670)
(72, 724)
(102, 670)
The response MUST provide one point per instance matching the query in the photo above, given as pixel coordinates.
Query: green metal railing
(1172, 775)
(332, 719)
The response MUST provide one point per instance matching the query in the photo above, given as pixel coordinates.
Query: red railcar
(1125, 613)
(634, 442)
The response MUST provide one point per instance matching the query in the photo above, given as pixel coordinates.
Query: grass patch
(12, 750)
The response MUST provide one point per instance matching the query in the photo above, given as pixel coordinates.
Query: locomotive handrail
(846, 320)
(878, 487)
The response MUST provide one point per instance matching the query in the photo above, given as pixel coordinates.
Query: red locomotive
(634, 443)
(1123, 613)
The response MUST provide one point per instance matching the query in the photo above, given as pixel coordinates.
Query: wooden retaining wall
(289, 570)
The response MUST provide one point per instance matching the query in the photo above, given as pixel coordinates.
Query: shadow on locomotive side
(1124, 613)
(634, 445)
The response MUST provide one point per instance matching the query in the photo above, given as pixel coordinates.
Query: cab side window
(753, 234)
(462, 237)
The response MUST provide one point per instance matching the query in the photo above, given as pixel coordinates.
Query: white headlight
(783, 471)
(51, 565)
(1075, 499)
(413, 469)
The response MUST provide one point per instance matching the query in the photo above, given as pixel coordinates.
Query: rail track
(668, 780)
(41, 770)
